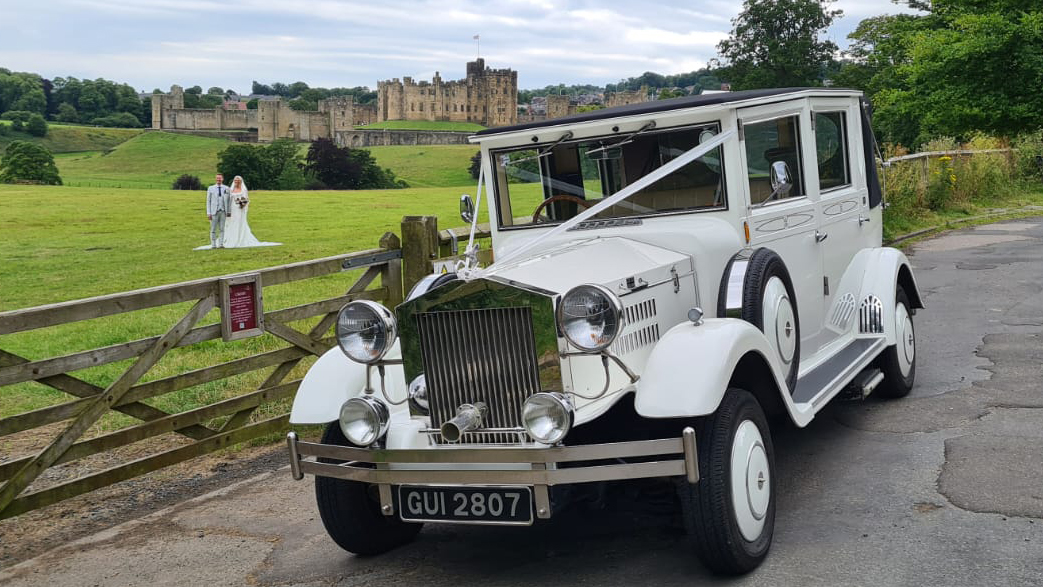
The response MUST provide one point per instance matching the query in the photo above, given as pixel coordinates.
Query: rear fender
(335, 378)
(691, 367)
(885, 269)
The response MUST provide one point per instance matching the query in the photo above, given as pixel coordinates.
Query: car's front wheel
(730, 512)
(350, 511)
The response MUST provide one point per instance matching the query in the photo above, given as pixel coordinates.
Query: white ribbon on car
(469, 271)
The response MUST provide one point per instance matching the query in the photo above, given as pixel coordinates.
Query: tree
(775, 43)
(347, 169)
(251, 104)
(67, 113)
(475, 168)
(118, 120)
(25, 161)
(264, 167)
(216, 91)
(36, 125)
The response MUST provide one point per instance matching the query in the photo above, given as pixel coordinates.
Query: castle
(486, 96)
(273, 119)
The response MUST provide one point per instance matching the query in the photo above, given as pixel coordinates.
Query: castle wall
(379, 138)
(273, 119)
(613, 99)
(559, 105)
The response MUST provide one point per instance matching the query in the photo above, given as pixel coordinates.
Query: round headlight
(590, 316)
(547, 417)
(365, 331)
(418, 394)
(364, 420)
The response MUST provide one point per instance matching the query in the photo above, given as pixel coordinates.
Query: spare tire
(768, 302)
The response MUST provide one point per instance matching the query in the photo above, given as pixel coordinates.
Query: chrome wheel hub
(750, 480)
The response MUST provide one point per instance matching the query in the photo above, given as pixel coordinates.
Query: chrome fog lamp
(547, 417)
(364, 420)
(365, 331)
(418, 394)
(590, 316)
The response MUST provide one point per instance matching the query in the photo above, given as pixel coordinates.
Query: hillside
(154, 159)
(151, 160)
(62, 138)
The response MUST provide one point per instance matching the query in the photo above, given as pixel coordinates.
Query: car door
(784, 222)
(843, 199)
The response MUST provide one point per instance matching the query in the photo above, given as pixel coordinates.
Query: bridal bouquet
(242, 201)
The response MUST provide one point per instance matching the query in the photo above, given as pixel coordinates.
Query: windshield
(552, 183)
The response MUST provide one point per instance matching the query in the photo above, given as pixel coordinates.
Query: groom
(218, 207)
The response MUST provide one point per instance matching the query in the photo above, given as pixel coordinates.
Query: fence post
(419, 247)
(391, 274)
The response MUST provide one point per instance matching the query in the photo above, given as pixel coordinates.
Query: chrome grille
(871, 316)
(485, 355)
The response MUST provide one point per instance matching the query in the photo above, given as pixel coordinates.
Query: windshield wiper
(543, 152)
(627, 139)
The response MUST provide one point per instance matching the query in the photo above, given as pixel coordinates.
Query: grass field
(91, 241)
(424, 125)
(63, 138)
(429, 166)
(153, 160)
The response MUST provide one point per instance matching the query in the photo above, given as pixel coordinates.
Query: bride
(237, 229)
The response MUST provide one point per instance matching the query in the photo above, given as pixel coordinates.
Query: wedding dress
(237, 229)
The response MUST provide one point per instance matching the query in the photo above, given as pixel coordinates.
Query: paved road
(943, 488)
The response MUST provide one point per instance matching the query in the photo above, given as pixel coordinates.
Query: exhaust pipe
(468, 417)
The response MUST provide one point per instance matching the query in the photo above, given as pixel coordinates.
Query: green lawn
(424, 125)
(429, 166)
(92, 241)
(63, 138)
(151, 160)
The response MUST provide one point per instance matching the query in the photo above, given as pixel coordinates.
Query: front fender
(335, 378)
(690, 367)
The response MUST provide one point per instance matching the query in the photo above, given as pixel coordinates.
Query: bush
(476, 165)
(118, 120)
(16, 115)
(36, 126)
(263, 167)
(67, 113)
(343, 168)
(4, 130)
(28, 162)
(1027, 147)
(187, 182)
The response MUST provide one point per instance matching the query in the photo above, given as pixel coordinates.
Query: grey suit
(218, 206)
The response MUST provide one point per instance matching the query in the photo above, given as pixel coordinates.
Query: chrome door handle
(820, 236)
(862, 219)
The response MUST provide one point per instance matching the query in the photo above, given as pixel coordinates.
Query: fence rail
(127, 393)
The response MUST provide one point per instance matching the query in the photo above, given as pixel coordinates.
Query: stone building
(273, 119)
(559, 105)
(613, 99)
(486, 96)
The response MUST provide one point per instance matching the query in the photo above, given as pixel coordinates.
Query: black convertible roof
(654, 106)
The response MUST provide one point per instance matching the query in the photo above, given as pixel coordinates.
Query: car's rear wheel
(898, 361)
(350, 511)
(730, 512)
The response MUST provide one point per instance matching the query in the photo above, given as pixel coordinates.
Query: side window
(831, 150)
(768, 143)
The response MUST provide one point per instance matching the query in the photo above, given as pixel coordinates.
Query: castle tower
(175, 100)
(340, 110)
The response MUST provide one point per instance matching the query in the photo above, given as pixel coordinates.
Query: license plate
(468, 505)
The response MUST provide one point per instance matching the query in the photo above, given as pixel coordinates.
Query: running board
(829, 378)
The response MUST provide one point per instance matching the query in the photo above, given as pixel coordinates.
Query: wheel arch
(753, 374)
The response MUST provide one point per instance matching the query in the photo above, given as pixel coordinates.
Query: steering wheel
(558, 198)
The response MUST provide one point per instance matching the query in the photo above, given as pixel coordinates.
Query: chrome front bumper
(676, 457)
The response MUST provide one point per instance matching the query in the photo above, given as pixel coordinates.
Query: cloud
(229, 43)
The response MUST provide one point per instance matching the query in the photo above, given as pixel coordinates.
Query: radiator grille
(483, 355)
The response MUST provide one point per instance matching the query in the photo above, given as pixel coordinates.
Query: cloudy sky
(229, 43)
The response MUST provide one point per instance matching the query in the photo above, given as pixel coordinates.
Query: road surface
(942, 488)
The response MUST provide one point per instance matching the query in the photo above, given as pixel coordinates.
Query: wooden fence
(399, 264)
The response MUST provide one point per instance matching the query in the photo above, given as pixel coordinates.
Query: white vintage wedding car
(670, 278)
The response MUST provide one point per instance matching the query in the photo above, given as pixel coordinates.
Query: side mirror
(466, 209)
(780, 179)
